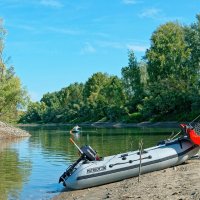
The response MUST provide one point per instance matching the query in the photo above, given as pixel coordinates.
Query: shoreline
(179, 182)
(8, 131)
(169, 124)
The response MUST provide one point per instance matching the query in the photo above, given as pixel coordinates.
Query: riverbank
(178, 183)
(8, 131)
(170, 124)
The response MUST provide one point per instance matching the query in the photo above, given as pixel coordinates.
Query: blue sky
(53, 43)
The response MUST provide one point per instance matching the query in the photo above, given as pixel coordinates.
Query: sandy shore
(177, 183)
(8, 131)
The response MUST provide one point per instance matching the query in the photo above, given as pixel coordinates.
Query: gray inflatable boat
(89, 170)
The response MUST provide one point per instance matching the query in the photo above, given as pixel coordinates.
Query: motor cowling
(89, 153)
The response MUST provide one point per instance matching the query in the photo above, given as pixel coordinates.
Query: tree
(34, 113)
(12, 95)
(71, 102)
(168, 54)
(167, 98)
(92, 97)
(131, 77)
(114, 99)
(94, 84)
(168, 83)
(192, 38)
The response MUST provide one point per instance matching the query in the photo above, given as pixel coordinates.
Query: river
(30, 167)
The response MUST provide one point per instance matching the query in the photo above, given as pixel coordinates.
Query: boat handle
(130, 161)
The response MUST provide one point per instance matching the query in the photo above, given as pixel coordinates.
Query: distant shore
(8, 131)
(170, 124)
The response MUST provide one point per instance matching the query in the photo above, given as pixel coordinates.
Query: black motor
(89, 153)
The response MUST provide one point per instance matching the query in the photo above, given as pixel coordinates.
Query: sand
(8, 131)
(177, 183)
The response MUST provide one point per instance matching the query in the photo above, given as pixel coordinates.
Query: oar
(72, 141)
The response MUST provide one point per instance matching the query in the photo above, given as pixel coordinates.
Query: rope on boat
(175, 135)
(194, 119)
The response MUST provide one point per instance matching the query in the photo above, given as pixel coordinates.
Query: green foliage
(94, 101)
(167, 97)
(114, 99)
(169, 83)
(168, 53)
(131, 76)
(71, 102)
(192, 38)
(12, 95)
(135, 117)
(34, 112)
(132, 80)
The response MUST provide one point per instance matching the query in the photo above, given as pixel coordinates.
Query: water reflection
(75, 136)
(55, 141)
(13, 171)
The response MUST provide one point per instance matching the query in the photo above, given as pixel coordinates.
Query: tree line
(164, 85)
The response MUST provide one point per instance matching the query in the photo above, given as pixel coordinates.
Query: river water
(30, 167)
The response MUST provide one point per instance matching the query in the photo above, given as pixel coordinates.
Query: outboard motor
(87, 153)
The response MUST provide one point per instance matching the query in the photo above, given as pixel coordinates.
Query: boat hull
(75, 131)
(127, 165)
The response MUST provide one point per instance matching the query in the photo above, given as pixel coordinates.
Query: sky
(54, 43)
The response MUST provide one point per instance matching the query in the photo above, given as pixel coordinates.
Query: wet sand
(177, 183)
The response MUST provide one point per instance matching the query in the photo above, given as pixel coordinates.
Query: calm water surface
(30, 167)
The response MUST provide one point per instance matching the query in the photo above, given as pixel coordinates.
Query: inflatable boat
(90, 170)
(76, 129)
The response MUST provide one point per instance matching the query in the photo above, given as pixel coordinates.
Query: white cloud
(22, 3)
(121, 45)
(22, 26)
(37, 29)
(151, 13)
(130, 1)
(158, 14)
(51, 3)
(88, 48)
(63, 31)
(137, 48)
(110, 44)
